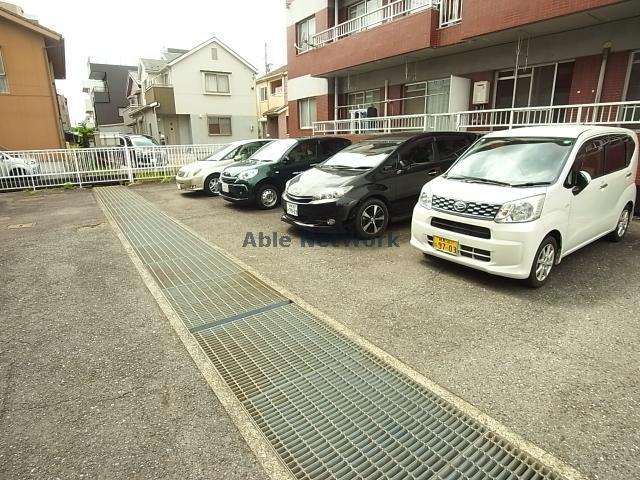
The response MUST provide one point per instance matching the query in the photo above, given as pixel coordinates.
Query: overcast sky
(121, 31)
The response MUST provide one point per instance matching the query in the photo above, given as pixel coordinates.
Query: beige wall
(272, 100)
(29, 116)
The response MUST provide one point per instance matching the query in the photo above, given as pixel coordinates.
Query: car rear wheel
(371, 219)
(212, 185)
(622, 226)
(267, 197)
(543, 262)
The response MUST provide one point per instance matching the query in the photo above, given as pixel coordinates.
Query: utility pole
(266, 60)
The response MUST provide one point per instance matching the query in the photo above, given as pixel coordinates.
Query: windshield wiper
(346, 167)
(479, 180)
(531, 184)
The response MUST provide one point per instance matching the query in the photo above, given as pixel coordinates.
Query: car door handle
(627, 175)
(432, 172)
(603, 186)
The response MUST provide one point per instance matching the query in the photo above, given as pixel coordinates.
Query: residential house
(271, 92)
(409, 63)
(107, 92)
(203, 95)
(32, 57)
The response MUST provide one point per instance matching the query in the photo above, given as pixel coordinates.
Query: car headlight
(196, 172)
(426, 199)
(331, 193)
(247, 174)
(520, 211)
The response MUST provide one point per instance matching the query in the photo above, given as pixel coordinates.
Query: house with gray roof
(197, 96)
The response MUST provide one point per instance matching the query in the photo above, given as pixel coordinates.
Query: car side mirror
(583, 179)
(286, 159)
(237, 158)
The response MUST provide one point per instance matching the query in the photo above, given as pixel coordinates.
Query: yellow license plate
(445, 245)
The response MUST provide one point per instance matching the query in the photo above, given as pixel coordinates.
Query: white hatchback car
(205, 174)
(519, 201)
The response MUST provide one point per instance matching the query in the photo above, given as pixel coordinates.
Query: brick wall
(324, 111)
(615, 75)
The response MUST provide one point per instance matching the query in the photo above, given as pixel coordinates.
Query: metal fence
(32, 169)
(625, 114)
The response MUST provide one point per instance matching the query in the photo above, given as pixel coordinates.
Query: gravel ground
(94, 383)
(559, 365)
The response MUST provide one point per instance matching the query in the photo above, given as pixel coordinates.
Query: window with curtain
(4, 83)
(307, 112)
(219, 125)
(263, 94)
(426, 97)
(304, 31)
(216, 82)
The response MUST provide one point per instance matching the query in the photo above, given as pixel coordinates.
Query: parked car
(370, 183)
(205, 174)
(519, 201)
(16, 171)
(262, 178)
(144, 151)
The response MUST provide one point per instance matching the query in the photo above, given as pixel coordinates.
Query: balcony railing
(379, 16)
(612, 113)
(450, 12)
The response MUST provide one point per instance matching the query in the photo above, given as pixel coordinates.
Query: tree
(84, 134)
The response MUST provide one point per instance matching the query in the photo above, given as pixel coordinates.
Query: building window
(276, 88)
(305, 30)
(214, 53)
(307, 112)
(219, 125)
(263, 94)
(4, 82)
(430, 97)
(363, 99)
(216, 82)
(537, 86)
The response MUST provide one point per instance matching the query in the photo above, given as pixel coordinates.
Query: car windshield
(227, 153)
(362, 155)
(513, 161)
(143, 142)
(273, 151)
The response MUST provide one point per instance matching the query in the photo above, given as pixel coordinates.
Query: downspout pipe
(606, 50)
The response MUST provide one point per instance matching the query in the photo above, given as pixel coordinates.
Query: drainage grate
(329, 408)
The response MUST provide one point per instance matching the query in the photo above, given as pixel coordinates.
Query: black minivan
(261, 178)
(369, 183)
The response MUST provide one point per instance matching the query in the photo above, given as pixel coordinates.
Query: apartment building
(357, 66)
(203, 95)
(273, 112)
(106, 87)
(32, 57)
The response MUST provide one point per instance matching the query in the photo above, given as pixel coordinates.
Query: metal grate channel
(328, 407)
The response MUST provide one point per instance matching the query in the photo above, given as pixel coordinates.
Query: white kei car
(518, 201)
(205, 174)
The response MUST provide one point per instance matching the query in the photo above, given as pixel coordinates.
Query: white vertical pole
(127, 156)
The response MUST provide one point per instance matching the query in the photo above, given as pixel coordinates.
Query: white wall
(190, 99)
(307, 86)
(301, 9)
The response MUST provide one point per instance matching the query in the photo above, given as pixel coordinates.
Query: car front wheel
(212, 185)
(267, 197)
(371, 219)
(622, 226)
(543, 262)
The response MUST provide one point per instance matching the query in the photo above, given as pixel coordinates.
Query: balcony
(377, 17)
(163, 95)
(623, 114)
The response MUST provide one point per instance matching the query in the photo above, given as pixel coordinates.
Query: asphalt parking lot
(557, 365)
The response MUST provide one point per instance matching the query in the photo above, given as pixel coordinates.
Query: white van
(519, 201)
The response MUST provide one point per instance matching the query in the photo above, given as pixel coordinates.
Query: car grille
(472, 209)
(463, 228)
(469, 252)
(227, 178)
(299, 199)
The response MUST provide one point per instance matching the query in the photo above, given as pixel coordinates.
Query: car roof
(244, 142)
(561, 131)
(404, 136)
